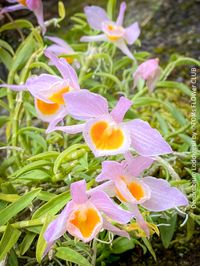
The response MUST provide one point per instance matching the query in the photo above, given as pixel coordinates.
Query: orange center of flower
(105, 137)
(115, 32)
(47, 108)
(134, 188)
(57, 97)
(69, 59)
(86, 221)
(22, 2)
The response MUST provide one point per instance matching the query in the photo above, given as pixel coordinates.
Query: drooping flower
(126, 184)
(112, 31)
(106, 133)
(34, 5)
(60, 47)
(86, 215)
(48, 90)
(148, 71)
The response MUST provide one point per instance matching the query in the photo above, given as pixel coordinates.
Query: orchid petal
(120, 109)
(123, 47)
(41, 87)
(14, 87)
(136, 165)
(60, 43)
(37, 7)
(111, 170)
(59, 117)
(96, 38)
(78, 192)
(139, 218)
(67, 72)
(67, 129)
(106, 205)
(95, 16)
(58, 227)
(13, 8)
(132, 33)
(76, 230)
(146, 140)
(151, 82)
(51, 116)
(163, 196)
(84, 105)
(107, 187)
(115, 230)
(103, 148)
(120, 17)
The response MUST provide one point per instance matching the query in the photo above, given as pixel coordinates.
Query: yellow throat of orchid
(134, 188)
(86, 220)
(22, 2)
(106, 137)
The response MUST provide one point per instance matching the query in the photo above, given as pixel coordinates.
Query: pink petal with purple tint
(163, 196)
(146, 140)
(120, 109)
(58, 227)
(67, 72)
(111, 170)
(136, 165)
(120, 17)
(78, 192)
(67, 129)
(84, 105)
(132, 33)
(110, 209)
(115, 230)
(96, 38)
(123, 47)
(95, 16)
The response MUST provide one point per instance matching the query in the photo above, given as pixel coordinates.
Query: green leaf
(174, 85)
(6, 58)
(41, 243)
(122, 244)
(6, 46)
(53, 206)
(14, 208)
(9, 239)
(149, 247)
(26, 243)
(71, 255)
(23, 53)
(20, 23)
(111, 7)
(167, 232)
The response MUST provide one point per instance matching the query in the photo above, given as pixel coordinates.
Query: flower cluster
(105, 132)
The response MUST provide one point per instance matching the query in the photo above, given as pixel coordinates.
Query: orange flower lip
(105, 137)
(86, 220)
(134, 187)
(22, 2)
(47, 108)
(57, 97)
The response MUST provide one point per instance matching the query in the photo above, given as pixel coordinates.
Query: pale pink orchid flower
(105, 132)
(86, 215)
(112, 31)
(48, 90)
(60, 47)
(125, 182)
(34, 5)
(148, 71)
